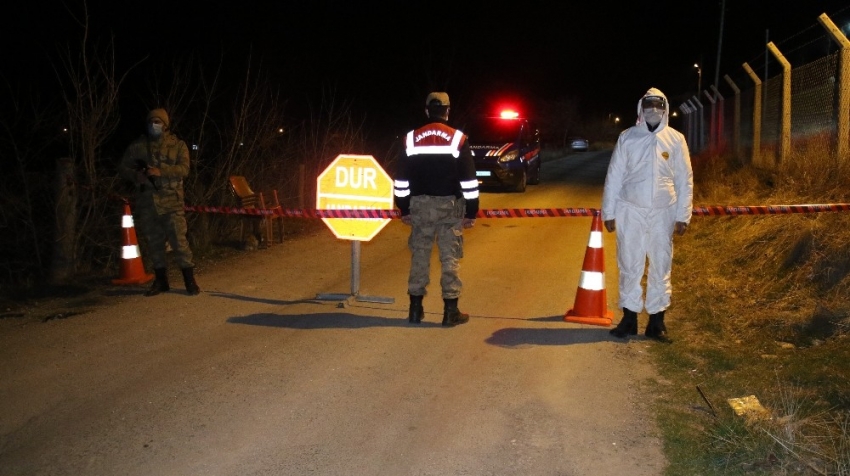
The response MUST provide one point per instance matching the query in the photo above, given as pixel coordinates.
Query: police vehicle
(506, 149)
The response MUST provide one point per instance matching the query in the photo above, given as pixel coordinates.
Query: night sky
(385, 56)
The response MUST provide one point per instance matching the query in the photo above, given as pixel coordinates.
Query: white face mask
(653, 116)
(155, 130)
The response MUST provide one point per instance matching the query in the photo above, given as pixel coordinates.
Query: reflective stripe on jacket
(437, 162)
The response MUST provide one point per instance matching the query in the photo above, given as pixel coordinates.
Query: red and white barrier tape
(522, 212)
(338, 213)
(772, 209)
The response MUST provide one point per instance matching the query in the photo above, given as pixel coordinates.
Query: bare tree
(28, 131)
(232, 128)
(330, 130)
(89, 88)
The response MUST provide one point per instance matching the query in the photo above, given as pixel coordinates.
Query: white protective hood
(665, 119)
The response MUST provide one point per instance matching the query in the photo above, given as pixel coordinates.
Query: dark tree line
(62, 199)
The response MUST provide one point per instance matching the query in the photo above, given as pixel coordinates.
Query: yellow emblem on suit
(665, 155)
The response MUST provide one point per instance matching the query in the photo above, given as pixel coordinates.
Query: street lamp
(699, 78)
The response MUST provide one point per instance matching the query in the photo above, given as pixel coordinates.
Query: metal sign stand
(346, 299)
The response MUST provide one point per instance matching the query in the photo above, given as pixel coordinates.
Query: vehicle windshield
(493, 130)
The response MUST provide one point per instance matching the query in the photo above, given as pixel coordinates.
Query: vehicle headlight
(509, 157)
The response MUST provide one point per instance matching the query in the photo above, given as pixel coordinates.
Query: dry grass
(760, 308)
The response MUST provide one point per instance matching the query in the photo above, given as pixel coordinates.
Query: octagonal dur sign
(354, 182)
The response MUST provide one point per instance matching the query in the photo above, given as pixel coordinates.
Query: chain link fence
(790, 104)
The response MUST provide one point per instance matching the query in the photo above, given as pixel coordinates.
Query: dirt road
(257, 377)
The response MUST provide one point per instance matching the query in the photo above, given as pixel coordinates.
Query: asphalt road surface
(255, 376)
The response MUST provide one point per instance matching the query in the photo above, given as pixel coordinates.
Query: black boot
(627, 325)
(189, 280)
(414, 315)
(160, 282)
(452, 315)
(656, 328)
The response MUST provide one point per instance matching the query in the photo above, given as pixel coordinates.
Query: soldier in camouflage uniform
(436, 191)
(156, 163)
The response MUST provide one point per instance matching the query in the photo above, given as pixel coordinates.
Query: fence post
(694, 143)
(700, 124)
(736, 116)
(719, 135)
(686, 115)
(785, 134)
(843, 88)
(712, 123)
(757, 105)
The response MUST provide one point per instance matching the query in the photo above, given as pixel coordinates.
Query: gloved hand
(468, 222)
(681, 228)
(610, 225)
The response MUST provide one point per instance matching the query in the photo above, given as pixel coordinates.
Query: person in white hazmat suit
(648, 196)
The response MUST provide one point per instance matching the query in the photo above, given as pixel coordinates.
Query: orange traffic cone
(132, 268)
(591, 306)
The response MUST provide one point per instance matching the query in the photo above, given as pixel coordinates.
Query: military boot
(160, 282)
(416, 311)
(656, 328)
(452, 315)
(192, 288)
(627, 325)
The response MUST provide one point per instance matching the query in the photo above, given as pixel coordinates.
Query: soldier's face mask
(155, 128)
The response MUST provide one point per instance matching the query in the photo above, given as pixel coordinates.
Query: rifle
(142, 166)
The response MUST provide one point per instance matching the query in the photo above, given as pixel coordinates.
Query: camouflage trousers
(437, 218)
(170, 227)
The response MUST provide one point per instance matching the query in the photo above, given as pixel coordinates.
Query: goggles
(656, 102)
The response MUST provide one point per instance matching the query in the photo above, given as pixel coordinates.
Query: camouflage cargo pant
(157, 229)
(440, 218)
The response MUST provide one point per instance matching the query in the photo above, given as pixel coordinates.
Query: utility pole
(699, 78)
(719, 42)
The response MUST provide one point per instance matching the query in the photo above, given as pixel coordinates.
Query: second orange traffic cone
(132, 267)
(591, 305)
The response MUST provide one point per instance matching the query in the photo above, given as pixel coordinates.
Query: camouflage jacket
(171, 156)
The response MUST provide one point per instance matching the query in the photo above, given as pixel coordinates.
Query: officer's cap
(437, 99)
